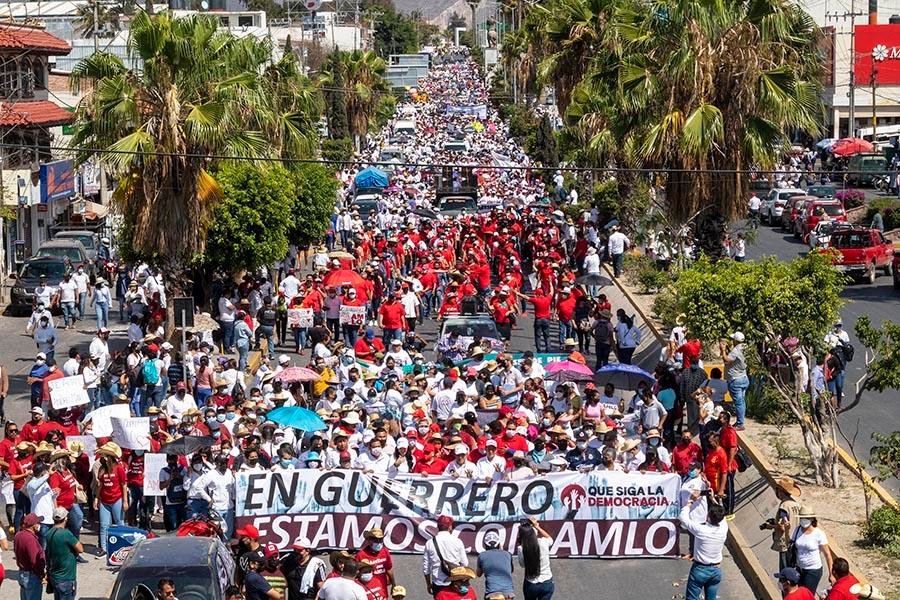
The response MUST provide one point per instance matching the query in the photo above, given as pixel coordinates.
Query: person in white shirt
(43, 293)
(461, 467)
(401, 357)
(709, 539)
(290, 285)
(73, 364)
(216, 487)
(740, 248)
(99, 348)
(444, 545)
(694, 482)
(410, 302)
(490, 467)
(39, 311)
(68, 295)
(179, 403)
(344, 587)
(82, 281)
(374, 459)
(616, 246)
(227, 312)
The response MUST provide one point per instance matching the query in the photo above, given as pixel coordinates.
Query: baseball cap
(30, 520)
(445, 521)
(60, 514)
(490, 443)
(398, 591)
(41, 356)
(37, 410)
(249, 531)
(789, 574)
(491, 538)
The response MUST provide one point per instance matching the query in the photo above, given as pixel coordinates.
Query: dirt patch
(841, 511)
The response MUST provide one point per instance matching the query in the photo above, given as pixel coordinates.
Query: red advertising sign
(878, 47)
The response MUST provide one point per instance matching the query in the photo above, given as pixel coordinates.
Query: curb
(867, 480)
(766, 470)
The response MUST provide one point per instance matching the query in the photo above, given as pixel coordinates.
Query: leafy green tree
(772, 302)
(363, 74)
(249, 227)
(315, 190)
(545, 143)
(335, 96)
(882, 358)
(394, 33)
(200, 93)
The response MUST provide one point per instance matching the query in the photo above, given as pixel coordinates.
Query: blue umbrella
(826, 143)
(622, 376)
(297, 417)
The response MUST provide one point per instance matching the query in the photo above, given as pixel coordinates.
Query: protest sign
(88, 441)
(601, 513)
(153, 464)
(353, 315)
(132, 433)
(68, 391)
(100, 418)
(300, 317)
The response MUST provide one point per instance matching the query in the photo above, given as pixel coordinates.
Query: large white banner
(100, 418)
(68, 391)
(132, 433)
(601, 513)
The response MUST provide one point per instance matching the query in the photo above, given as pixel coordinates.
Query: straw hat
(630, 445)
(110, 449)
(62, 453)
(76, 448)
(43, 448)
(461, 574)
(789, 486)
(24, 446)
(807, 511)
(866, 591)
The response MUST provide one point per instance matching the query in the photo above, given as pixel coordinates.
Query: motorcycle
(882, 183)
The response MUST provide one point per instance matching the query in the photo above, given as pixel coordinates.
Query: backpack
(150, 372)
(848, 349)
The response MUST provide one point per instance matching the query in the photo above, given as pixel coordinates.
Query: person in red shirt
(366, 578)
(112, 497)
(684, 453)
(690, 351)
(430, 464)
(138, 516)
(8, 443)
(31, 431)
(351, 332)
(54, 372)
(460, 585)
(19, 471)
(511, 442)
(64, 484)
(375, 554)
(366, 346)
(728, 440)
(67, 420)
(541, 303)
(788, 579)
(843, 581)
(565, 313)
(715, 467)
(391, 318)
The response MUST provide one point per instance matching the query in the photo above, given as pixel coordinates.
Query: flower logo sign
(879, 52)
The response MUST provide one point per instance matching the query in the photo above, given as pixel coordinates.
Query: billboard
(878, 48)
(596, 514)
(57, 181)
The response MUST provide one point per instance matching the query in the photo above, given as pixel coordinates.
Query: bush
(766, 406)
(632, 264)
(882, 530)
(652, 279)
(851, 198)
(338, 150)
(665, 306)
(890, 212)
(606, 199)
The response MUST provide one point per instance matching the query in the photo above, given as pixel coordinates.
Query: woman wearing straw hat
(460, 585)
(64, 486)
(810, 543)
(110, 494)
(786, 518)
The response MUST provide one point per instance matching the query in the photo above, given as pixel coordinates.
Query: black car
(821, 191)
(201, 567)
(28, 277)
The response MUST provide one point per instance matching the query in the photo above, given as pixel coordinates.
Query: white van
(405, 127)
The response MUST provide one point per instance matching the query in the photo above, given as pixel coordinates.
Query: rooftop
(33, 114)
(36, 39)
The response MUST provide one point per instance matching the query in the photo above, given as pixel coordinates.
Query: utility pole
(102, 191)
(874, 108)
(852, 14)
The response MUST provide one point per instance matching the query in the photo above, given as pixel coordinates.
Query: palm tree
(107, 19)
(362, 73)
(195, 96)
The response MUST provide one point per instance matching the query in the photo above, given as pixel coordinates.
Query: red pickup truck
(862, 252)
(896, 269)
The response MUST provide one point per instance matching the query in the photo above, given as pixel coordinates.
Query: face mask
(220, 418)
(653, 442)
(313, 464)
(510, 433)
(377, 546)
(581, 445)
(285, 462)
(252, 461)
(685, 441)
(546, 422)
(154, 428)
(229, 415)
(138, 452)
(197, 467)
(692, 473)
(216, 433)
(804, 523)
(463, 589)
(457, 426)
(423, 430)
(376, 452)
(365, 577)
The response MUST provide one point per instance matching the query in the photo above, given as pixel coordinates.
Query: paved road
(877, 412)
(575, 578)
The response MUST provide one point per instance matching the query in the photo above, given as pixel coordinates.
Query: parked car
(22, 293)
(201, 567)
(470, 326)
(895, 267)
(862, 169)
(761, 187)
(822, 232)
(862, 252)
(68, 249)
(821, 191)
(88, 239)
(817, 210)
(791, 210)
(454, 205)
(773, 205)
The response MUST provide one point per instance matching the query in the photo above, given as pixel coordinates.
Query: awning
(89, 210)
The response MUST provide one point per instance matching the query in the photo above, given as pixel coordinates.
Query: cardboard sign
(100, 418)
(68, 391)
(353, 315)
(154, 462)
(300, 317)
(132, 433)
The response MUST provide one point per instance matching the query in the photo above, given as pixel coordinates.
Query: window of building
(245, 20)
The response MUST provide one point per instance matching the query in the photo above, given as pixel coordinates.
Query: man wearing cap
(496, 565)
(179, 403)
(62, 553)
(255, 585)
(788, 580)
(30, 558)
(442, 553)
(304, 573)
(396, 352)
(736, 375)
(375, 554)
(45, 337)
